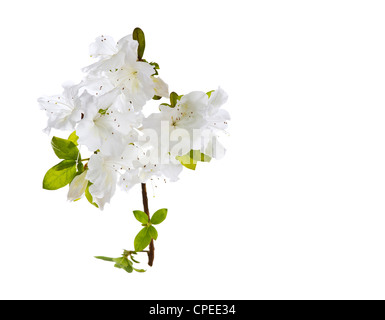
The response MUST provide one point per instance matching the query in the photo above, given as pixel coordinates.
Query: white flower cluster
(105, 110)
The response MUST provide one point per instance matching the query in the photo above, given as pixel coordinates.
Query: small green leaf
(65, 149)
(139, 270)
(187, 162)
(190, 159)
(159, 216)
(142, 240)
(122, 262)
(138, 35)
(173, 99)
(74, 138)
(60, 175)
(105, 259)
(209, 93)
(89, 196)
(156, 97)
(141, 216)
(132, 258)
(196, 155)
(129, 268)
(156, 68)
(153, 232)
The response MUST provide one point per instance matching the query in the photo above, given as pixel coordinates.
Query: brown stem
(151, 252)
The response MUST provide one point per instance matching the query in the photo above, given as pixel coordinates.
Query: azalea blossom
(103, 171)
(107, 123)
(118, 63)
(63, 111)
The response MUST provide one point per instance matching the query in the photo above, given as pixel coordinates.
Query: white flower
(189, 111)
(216, 117)
(77, 187)
(143, 173)
(107, 123)
(103, 177)
(183, 121)
(103, 173)
(129, 179)
(217, 123)
(110, 54)
(63, 111)
(118, 63)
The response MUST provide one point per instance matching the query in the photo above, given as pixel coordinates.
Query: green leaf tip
(74, 138)
(105, 259)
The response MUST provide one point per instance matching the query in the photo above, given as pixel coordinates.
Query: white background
(294, 211)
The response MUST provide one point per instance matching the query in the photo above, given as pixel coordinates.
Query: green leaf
(122, 262)
(187, 161)
(156, 97)
(153, 232)
(159, 216)
(209, 93)
(65, 149)
(89, 196)
(141, 216)
(138, 35)
(142, 240)
(139, 270)
(105, 259)
(74, 138)
(190, 159)
(196, 155)
(132, 258)
(129, 268)
(173, 99)
(60, 175)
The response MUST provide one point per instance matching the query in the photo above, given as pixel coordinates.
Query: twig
(151, 252)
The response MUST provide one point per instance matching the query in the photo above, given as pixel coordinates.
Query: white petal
(129, 179)
(161, 87)
(172, 171)
(63, 111)
(218, 98)
(103, 177)
(103, 46)
(77, 187)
